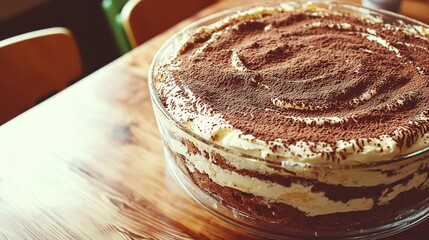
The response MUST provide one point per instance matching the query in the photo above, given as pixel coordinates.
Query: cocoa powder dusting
(304, 77)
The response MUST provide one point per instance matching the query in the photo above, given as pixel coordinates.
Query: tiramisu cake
(306, 118)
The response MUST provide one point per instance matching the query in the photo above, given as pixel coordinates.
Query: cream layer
(297, 195)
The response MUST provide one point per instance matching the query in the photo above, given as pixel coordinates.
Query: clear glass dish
(404, 180)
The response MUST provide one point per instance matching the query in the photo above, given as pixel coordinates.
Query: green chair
(112, 10)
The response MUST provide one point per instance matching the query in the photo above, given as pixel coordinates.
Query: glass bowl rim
(283, 164)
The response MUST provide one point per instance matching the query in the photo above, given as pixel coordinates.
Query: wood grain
(88, 164)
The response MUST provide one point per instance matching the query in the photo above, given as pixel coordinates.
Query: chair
(34, 66)
(144, 19)
(112, 10)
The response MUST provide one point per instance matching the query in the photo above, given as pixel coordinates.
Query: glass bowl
(371, 200)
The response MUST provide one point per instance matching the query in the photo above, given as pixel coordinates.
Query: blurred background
(88, 20)
(84, 18)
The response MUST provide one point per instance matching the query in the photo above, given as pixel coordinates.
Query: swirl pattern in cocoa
(310, 76)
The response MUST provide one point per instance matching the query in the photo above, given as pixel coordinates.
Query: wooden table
(88, 164)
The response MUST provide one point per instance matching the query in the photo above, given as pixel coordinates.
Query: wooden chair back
(144, 19)
(34, 66)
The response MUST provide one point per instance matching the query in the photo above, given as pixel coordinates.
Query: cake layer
(313, 192)
(265, 212)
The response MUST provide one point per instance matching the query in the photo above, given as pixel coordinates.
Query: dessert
(303, 117)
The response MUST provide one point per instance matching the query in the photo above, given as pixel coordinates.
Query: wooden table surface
(88, 164)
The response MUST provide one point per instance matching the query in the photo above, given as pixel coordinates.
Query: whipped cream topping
(303, 85)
